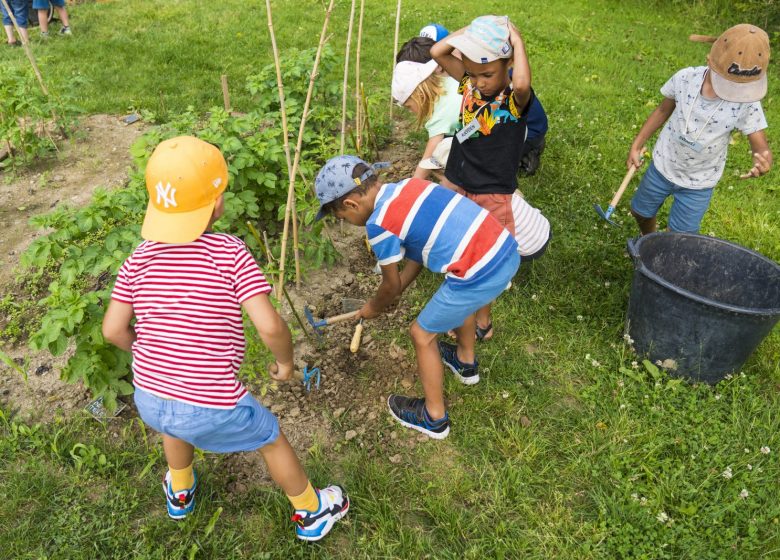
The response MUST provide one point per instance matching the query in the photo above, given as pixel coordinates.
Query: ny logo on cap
(166, 194)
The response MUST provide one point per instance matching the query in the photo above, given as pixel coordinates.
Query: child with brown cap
(702, 106)
(186, 287)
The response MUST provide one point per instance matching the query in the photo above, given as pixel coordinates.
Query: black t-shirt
(487, 162)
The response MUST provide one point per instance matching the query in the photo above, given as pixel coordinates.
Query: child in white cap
(702, 105)
(420, 86)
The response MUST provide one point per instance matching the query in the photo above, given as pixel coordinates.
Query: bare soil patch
(96, 155)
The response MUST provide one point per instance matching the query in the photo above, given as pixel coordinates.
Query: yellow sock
(308, 500)
(182, 479)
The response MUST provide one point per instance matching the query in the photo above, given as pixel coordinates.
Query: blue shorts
(44, 4)
(246, 427)
(453, 302)
(19, 9)
(688, 207)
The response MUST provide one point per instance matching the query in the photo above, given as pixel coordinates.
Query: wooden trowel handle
(355, 344)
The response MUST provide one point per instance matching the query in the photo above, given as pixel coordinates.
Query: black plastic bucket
(698, 304)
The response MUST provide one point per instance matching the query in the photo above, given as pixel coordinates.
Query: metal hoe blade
(316, 325)
(606, 215)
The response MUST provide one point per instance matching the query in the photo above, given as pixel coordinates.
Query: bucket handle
(631, 245)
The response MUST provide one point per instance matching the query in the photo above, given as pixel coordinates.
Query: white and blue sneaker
(181, 503)
(413, 414)
(313, 525)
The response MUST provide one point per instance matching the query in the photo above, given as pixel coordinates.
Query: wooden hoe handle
(623, 185)
(342, 317)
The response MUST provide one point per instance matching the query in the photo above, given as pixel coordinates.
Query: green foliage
(24, 112)
(27, 115)
(86, 246)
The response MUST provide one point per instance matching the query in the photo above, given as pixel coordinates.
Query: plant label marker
(98, 411)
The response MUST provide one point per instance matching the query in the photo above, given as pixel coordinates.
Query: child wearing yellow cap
(186, 287)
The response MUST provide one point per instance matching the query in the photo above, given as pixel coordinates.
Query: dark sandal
(482, 333)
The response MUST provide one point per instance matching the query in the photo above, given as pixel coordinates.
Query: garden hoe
(615, 199)
(349, 306)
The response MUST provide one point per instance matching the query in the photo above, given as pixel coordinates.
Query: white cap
(439, 157)
(407, 75)
(485, 39)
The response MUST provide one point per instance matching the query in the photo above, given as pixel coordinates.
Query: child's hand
(281, 372)
(514, 34)
(634, 159)
(761, 166)
(368, 312)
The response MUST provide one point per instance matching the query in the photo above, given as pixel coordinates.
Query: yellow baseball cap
(184, 178)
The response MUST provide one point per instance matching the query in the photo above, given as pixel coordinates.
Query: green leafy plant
(24, 116)
(86, 246)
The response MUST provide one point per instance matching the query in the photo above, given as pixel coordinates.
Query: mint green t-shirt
(446, 111)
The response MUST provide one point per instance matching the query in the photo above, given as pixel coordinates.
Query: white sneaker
(313, 525)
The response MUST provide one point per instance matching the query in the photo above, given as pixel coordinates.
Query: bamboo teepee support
(358, 111)
(31, 58)
(285, 143)
(346, 77)
(395, 50)
(299, 145)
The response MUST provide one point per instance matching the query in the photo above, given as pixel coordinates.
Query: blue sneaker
(313, 525)
(180, 504)
(413, 414)
(468, 374)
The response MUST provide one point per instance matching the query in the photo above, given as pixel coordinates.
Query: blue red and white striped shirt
(189, 328)
(437, 227)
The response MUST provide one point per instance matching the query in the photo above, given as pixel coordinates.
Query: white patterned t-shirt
(709, 126)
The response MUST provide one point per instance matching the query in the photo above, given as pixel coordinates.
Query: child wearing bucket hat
(434, 227)
(420, 86)
(702, 106)
(186, 288)
(486, 152)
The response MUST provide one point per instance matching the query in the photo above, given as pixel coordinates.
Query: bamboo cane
(358, 111)
(225, 93)
(395, 50)
(31, 58)
(346, 77)
(299, 144)
(285, 143)
(295, 245)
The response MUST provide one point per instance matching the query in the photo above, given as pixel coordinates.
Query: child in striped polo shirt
(435, 227)
(186, 287)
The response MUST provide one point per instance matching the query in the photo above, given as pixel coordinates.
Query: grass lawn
(617, 462)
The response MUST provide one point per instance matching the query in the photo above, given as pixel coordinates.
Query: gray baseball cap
(335, 178)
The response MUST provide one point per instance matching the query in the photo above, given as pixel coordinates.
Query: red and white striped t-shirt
(187, 302)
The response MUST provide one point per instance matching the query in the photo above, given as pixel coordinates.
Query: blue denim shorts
(44, 4)
(688, 207)
(452, 303)
(19, 9)
(246, 427)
